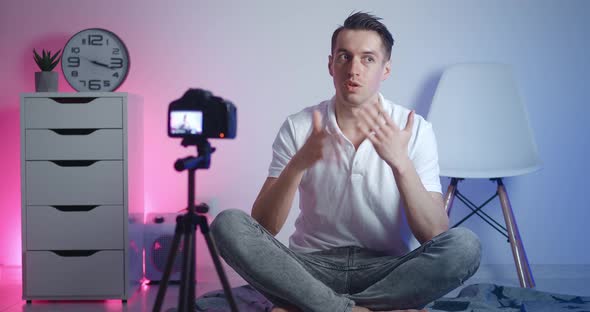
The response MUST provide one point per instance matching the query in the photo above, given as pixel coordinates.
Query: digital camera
(198, 113)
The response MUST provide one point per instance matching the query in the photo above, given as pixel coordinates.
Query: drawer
(96, 274)
(73, 112)
(74, 182)
(75, 227)
(74, 144)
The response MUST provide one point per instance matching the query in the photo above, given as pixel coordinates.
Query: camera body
(198, 113)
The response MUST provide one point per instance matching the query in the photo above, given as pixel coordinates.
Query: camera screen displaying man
(186, 122)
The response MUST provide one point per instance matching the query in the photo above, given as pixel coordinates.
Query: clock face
(95, 60)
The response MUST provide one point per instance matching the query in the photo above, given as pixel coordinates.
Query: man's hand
(390, 142)
(312, 150)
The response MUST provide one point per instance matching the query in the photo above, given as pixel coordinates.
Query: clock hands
(99, 63)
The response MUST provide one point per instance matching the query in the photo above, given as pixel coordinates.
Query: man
(354, 159)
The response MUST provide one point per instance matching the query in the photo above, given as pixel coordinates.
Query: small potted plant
(46, 79)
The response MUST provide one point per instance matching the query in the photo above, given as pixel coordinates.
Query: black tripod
(186, 225)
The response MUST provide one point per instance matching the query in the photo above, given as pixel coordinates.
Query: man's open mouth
(352, 86)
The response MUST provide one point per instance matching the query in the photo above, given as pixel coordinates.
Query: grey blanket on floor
(472, 298)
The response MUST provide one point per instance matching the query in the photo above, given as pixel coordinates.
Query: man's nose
(354, 67)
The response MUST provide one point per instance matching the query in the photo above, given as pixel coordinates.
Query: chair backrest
(481, 125)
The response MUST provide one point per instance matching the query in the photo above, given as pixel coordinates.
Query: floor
(565, 279)
(142, 300)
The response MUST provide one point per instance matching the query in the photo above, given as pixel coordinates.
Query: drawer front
(74, 144)
(71, 112)
(48, 183)
(50, 274)
(75, 227)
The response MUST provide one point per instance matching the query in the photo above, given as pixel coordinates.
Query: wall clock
(95, 59)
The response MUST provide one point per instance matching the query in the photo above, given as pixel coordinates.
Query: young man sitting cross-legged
(367, 173)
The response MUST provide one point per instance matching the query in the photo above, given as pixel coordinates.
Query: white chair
(483, 131)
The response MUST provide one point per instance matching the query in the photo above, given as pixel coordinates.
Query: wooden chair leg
(520, 259)
(450, 195)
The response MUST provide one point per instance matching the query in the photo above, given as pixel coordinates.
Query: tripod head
(192, 163)
(203, 159)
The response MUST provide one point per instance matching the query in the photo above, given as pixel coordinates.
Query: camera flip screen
(186, 122)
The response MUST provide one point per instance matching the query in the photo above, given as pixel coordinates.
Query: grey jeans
(340, 278)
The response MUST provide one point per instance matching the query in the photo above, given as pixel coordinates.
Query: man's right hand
(274, 201)
(313, 149)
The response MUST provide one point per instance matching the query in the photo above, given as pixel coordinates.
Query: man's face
(358, 65)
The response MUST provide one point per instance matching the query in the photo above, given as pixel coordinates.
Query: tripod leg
(184, 303)
(218, 267)
(520, 259)
(192, 282)
(168, 269)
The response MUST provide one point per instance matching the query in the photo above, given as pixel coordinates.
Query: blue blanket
(472, 298)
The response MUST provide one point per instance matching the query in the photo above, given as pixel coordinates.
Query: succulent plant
(46, 62)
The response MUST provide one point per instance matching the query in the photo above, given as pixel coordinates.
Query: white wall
(270, 58)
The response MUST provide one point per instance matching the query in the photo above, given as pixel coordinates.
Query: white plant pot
(46, 81)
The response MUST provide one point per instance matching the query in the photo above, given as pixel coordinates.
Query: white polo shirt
(350, 198)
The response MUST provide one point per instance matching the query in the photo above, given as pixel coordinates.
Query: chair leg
(520, 259)
(450, 195)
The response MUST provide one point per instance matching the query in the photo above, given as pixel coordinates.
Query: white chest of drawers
(82, 195)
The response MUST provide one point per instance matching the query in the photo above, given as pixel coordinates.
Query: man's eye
(343, 57)
(370, 59)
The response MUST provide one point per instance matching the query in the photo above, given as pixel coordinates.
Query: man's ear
(386, 70)
(330, 65)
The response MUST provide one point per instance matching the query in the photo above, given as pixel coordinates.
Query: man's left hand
(390, 142)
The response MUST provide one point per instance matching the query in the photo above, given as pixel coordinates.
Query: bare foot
(360, 309)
